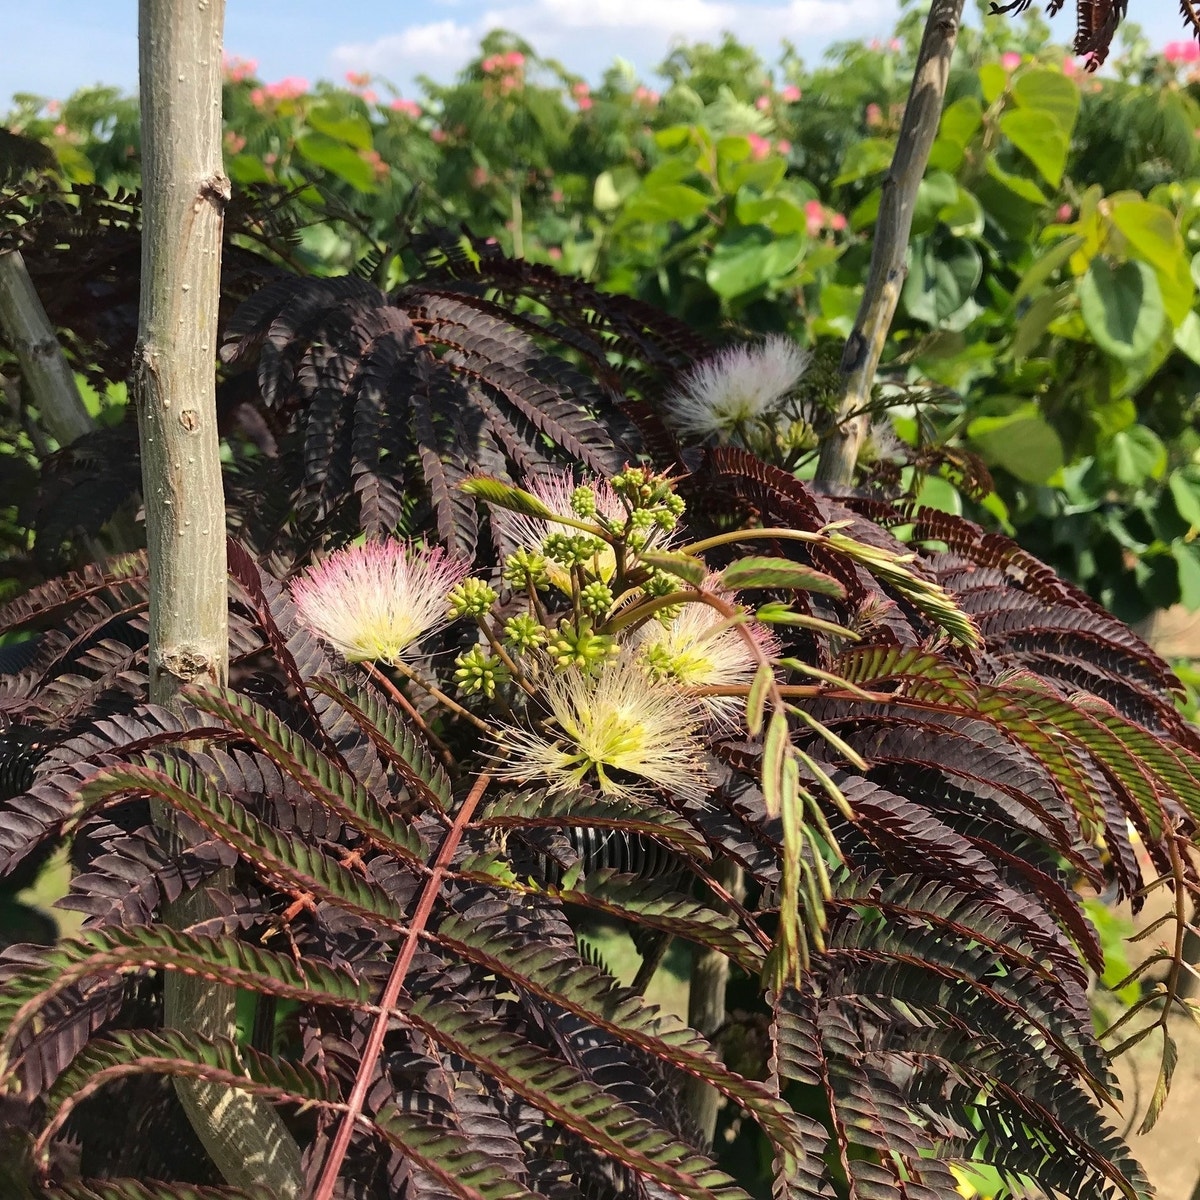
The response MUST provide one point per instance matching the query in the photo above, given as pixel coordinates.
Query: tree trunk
(184, 196)
(889, 253)
(45, 371)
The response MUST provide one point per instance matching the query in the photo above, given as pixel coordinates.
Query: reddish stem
(374, 1046)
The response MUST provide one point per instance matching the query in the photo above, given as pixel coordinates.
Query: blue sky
(53, 48)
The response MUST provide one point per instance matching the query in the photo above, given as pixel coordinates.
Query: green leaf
(779, 214)
(1046, 264)
(868, 157)
(1050, 93)
(747, 259)
(683, 566)
(340, 125)
(1152, 236)
(944, 273)
(505, 495)
(756, 571)
(1187, 336)
(666, 202)
(340, 159)
(1185, 491)
(1136, 454)
(1043, 143)
(961, 121)
(1122, 307)
(1187, 561)
(1021, 442)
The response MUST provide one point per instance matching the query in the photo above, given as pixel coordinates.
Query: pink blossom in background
(1010, 61)
(375, 161)
(53, 107)
(1182, 52)
(60, 130)
(814, 217)
(838, 222)
(585, 103)
(1070, 67)
(410, 108)
(1065, 212)
(234, 142)
(514, 59)
(874, 115)
(438, 135)
(370, 96)
(783, 146)
(790, 94)
(236, 69)
(763, 103)
(579, 90)
(644, 95)
(358, 79)
(270, 158)
(258, 97)
(479, 177)
(895, 45)
(759, 146)
(555, 252)
(287, 89)
(490, 64)
(556, 196)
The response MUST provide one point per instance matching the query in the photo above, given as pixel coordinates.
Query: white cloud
(432, 47)
(588, 35)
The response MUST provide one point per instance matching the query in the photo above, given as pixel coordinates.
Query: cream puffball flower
(618, 720)
(698, 648)
(372, 602)
(737, 387)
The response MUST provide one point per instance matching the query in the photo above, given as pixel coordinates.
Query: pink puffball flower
(763, 103)
(740, 385)
(790, 94)
(410, 108)
(838, 222)
(1181, 52)
(1010, 61)
(584, 102)
(814, 217)
(1065, 213)
(290, 88)
(358, 79)
(783, 147)
(760, 147)
(873, 115)
(372, 602)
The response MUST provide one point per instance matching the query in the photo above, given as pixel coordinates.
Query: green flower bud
(524, 633)
(596, 599)
(582, 648)
(476, 673)
(524, 568)
(583, 502)
(471, 598)
(569, 549)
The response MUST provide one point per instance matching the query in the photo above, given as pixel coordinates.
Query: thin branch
(391, 992)
(889, 253)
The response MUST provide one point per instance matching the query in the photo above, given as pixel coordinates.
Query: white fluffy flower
(737, 387)
(371, 602)
(618, 720)
(697, 649)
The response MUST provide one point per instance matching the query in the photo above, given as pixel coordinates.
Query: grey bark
(184, 196)
(45, 371)
(889, 253)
